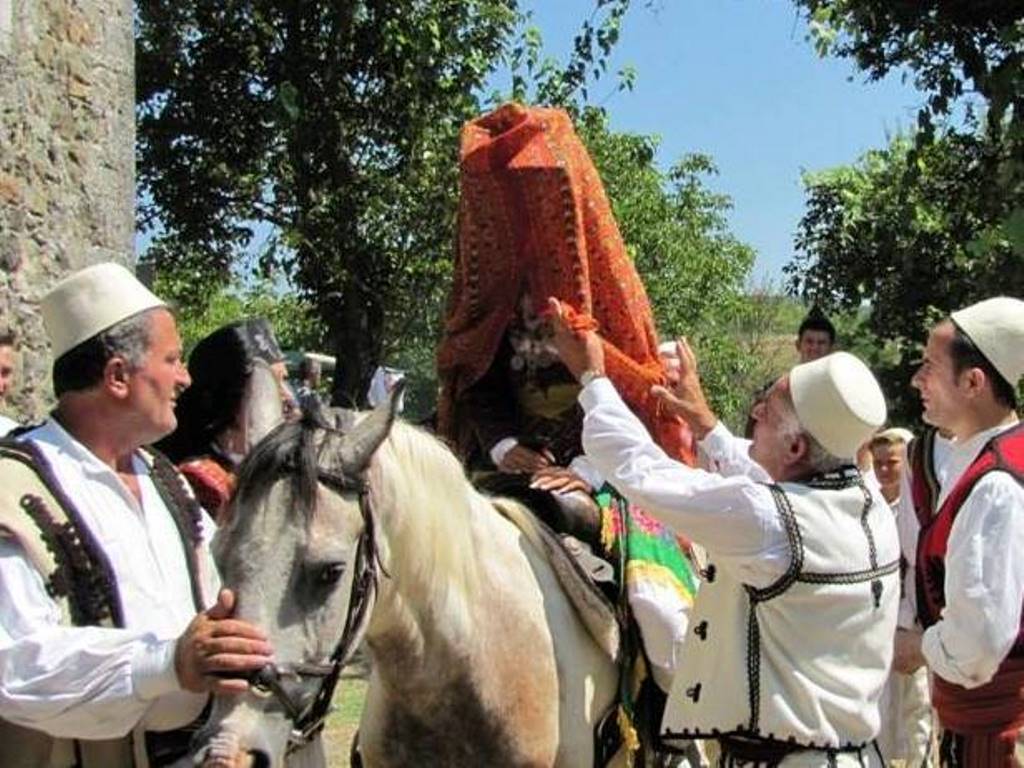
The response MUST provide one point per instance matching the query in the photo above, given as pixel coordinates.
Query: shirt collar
(973, 444)
(962, 454)
(52, 433)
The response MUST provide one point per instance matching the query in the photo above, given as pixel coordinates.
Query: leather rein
(269, 681)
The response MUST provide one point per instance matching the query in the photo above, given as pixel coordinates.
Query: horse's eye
(330, 574)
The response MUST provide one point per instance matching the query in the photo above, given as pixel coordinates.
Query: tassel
(630, 739)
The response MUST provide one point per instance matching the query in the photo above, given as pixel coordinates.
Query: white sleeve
(984, 585)
(73, 682)
(908, 528)
(734, 518)
(501, 448)
(585, 468)
(731, 454)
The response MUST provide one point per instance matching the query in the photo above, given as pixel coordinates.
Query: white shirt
(95, 682)
(733, 517)
(6, 425)
(984, 571)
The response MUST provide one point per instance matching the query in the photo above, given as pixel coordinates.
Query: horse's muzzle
(224, 751)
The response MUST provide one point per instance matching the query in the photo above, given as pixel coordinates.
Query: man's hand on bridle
(216, 652)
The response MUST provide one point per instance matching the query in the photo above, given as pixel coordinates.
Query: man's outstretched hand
(580, 350)
(559, 480)
(215, 646)
(684, 395)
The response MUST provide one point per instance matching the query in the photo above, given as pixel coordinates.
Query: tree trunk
(358, 338)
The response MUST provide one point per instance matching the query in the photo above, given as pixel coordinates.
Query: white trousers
(908, 722)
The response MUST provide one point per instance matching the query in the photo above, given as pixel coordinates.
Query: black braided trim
(171, 486)
(755, 596)
(838, 479)
(876, 584)
(753, 666)
(850, 577)
(743, 731)
(83, 572)
(187, 516)
(796, 549)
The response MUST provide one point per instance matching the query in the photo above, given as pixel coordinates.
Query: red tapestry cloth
(534, 219)
(211, 481)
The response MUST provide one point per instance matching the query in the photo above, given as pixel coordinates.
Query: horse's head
(299, 550)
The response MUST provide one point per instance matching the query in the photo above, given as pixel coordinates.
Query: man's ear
(797, 448)
(116, 374)
(974, 380)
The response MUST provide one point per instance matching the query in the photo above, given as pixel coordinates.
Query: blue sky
(737, 79)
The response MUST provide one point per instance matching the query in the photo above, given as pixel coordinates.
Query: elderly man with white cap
(112, 631)
(790, 640)
(970, 569)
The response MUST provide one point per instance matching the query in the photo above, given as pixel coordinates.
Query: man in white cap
(970, 573)
(790, 639)
(112, 631)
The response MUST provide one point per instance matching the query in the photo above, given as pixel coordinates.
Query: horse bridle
(269, 680)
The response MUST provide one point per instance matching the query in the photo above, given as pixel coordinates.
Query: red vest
(1004, 452)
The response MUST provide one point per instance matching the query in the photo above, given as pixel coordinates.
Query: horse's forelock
(291, 448)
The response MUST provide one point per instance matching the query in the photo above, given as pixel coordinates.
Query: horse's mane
(432, 511)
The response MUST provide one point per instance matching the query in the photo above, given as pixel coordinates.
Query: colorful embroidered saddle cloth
(653, 564)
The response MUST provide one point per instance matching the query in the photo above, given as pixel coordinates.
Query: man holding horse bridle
(792, 628)
(112, 633)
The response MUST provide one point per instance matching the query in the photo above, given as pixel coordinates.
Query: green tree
(910, 247)
(293, 318)
(693, 268)
(332, 129)
(936, 220)
(332, 126)
(967, 58)
(952, 49)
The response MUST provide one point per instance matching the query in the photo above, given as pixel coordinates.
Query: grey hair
(818, 459)
(81, 367)
(128, 339)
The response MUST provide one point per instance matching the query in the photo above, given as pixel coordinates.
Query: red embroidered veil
(533, 216)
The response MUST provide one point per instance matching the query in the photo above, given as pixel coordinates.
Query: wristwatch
(589, 375)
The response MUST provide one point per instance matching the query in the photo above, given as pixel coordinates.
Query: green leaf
(288, 98)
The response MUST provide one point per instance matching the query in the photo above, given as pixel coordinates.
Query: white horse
(479, 658)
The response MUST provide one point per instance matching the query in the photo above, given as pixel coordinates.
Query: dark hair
(965, 354)
(81, 367)
(220, 366)
(308, 366)
(7, 338)
(817, 321)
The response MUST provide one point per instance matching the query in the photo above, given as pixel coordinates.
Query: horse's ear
(264, 409)
(359, 445)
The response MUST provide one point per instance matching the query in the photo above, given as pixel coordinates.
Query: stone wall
(67, 182)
